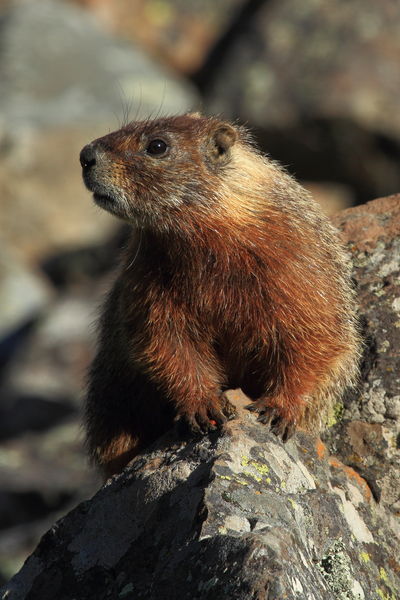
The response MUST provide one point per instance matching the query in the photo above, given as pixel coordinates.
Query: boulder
(24, 295)
(59, 67)
(320, 86)
(240, 515)
(367, 435)
(64, 82)
(234, 516)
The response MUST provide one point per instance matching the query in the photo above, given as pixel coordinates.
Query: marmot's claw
(189, 422)
(289, 431)
(208, 419)
(272, 417)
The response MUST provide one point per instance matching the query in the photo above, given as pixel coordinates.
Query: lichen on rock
(241, 515)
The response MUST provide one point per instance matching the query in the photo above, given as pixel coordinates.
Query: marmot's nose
(87, 157)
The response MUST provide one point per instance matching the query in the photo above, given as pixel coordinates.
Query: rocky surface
(319, 83)
(49, 366)
(177, 32)
(43, 474)
(338, 72)
(64, 82)
(43, 471)
(241, 515)
(368, 435)
(59, 67)
(238, 516)
(24, 294)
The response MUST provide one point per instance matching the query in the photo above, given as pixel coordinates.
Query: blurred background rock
(317, 82)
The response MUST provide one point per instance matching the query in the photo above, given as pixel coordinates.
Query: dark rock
(223, 517)
(42, 475)
(23, 507)
(32, 413)
(79, 266)
(320, 87)
(24, 296)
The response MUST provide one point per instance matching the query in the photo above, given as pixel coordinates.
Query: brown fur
(233, 277)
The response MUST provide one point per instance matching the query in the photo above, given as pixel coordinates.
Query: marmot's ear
(194, 115)
(222, 139)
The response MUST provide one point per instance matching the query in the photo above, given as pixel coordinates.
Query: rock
(58, 67)
(24, 294)
(168, 29)
(86, 264)
(44, 382)
(45, 206)
(339, 72)
(42, 475)
(318, 84)
(368, 433)
(233, 516)
(238, 515)
(65, 81)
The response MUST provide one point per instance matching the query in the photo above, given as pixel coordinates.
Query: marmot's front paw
(275, 417)
(208, 417)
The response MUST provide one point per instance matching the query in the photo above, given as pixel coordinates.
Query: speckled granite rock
(368, 435)
(239, 516)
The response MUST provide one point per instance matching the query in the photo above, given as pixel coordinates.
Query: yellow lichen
(383, 575)
(385, 595)
(241, 481)
(252, 475)
(263, 469)
(336, 414)
(365, 557)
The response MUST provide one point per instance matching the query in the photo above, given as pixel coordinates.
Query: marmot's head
(150, 171)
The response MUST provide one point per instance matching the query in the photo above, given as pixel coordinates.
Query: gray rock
(54, 358)
(43, 383)
(299, 60)
(238, 516)
(64, 82)
(367, 435)
(241, 515)
(58, 67)
(23, 293)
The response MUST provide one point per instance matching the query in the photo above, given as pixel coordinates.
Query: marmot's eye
(157, 147)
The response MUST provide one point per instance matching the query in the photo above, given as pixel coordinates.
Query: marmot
(233, 278)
